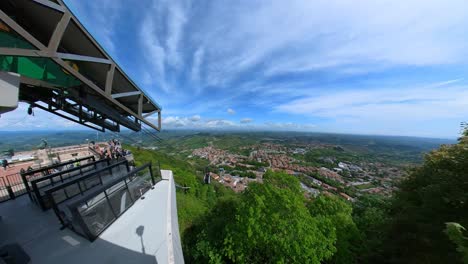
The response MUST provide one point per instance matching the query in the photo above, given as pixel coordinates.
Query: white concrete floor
(39, 234)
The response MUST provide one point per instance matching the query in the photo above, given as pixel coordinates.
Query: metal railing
(41, 172)
(40, 185)
(92, 213)
(80, 186)
(11, 186)
(17, 184)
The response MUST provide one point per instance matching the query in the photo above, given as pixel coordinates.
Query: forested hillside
(194, 202)
(274, 222)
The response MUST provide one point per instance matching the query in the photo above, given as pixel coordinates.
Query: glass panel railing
(34, 174)
(81, 186)
(92, 213)
(40, 185)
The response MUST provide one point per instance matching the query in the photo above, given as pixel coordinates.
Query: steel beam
(159, 119)
(75, 57)
(58, 58)
(21, 31)
(51, 4)
(54, 41)
(67, 117)
(150, 113)
(21, 52)
(110, 79)
(140, 105)
(119, 95)
(96, 88)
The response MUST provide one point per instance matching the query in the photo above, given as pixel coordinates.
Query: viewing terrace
(102, 212)
(93, 209)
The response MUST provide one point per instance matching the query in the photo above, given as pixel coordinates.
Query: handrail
(110, 184)
(49, 192)
(35, 182)
(53, 166)
(85, 176)
(67, 171)
(77, 217)
(32, 172)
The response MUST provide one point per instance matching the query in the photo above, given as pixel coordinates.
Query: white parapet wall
(9, 90)
(175, 254)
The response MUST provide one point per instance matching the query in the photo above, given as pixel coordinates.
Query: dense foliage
(433, 194)
(455, 232)
(198, 199)
(273, 223)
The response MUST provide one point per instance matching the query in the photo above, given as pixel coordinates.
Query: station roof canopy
(65, 71)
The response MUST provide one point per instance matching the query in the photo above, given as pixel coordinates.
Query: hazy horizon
(221, 131)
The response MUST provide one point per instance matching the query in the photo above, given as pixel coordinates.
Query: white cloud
(288, 126)
(195, 118)
(403, 108)
(176, 122)
(219, 123)
(196, 67)
(177, 18)
(422, 103)
(156, 54)
(353, 37)
(195, 122)
(231, 111)
(164, 51)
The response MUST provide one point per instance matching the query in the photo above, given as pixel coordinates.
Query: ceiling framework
(65, 71)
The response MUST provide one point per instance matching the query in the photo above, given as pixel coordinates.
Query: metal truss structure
(65, 71)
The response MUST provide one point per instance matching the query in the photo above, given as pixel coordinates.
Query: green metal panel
(38, 68)
(13, 40)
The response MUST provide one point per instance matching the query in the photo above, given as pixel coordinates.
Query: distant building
(338, 169)
(215, 176)
(312, 191)
(328, 187)
(227, 178)
(347, 197)
(299, 151)
(343, 165)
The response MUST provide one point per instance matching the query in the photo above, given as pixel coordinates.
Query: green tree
(455, 233)
(268, 224)
(370, 213)
(340, 214)
(433, 194)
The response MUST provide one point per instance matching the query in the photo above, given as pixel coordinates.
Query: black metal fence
(31, 175)
(39, 186)
(92, 213)
(17, 184)
(57, 195)
(11, 186)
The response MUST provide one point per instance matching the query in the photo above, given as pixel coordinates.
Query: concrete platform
(146, 233)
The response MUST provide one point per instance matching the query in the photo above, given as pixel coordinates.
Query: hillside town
(332, 176)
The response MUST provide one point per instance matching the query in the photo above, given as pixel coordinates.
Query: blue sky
(369, 67)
